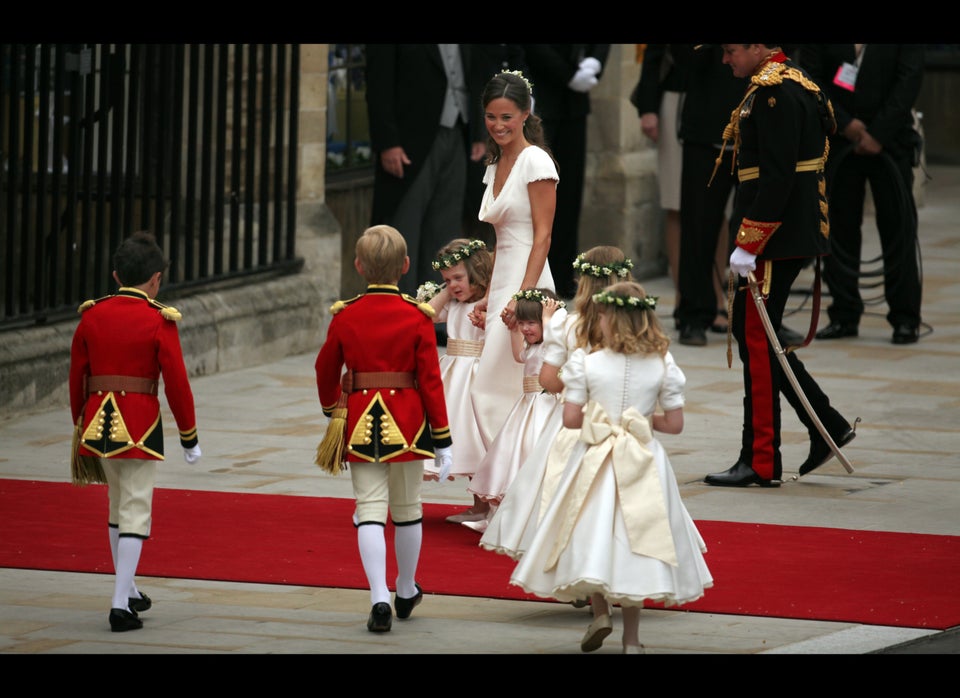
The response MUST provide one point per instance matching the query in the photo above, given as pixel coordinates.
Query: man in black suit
(562, 77)
(873, 88)
(705, 188)
(424, 123)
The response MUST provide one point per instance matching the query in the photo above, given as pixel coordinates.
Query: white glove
(591, 64)
(742, 261)
(444, 461)
(582, 81)
(192, 455)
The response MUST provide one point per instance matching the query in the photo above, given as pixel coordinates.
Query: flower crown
(629, 302)
(621, 269)
(454, 258)
(519, 74)
(428, 290)
(532, 294)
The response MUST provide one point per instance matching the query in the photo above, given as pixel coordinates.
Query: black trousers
(567, 140)
(891, 183)
(763, 376)
(702, 209)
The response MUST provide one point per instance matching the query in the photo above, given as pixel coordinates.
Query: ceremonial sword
(791, 376)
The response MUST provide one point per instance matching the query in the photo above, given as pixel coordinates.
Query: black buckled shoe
(139, 605)
(739, 475)
(404, 607)
(122, 620)
(905, 334)
(820, 451)
(381, 618)
(839, 330)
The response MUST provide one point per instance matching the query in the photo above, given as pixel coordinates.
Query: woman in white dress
(465, 266)
(616, 529)
(512, 526)
(530, 413)
(519, 201)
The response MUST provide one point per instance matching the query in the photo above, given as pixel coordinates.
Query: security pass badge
(846, 76)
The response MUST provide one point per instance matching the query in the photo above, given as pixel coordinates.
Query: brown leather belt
(367, 380)
(121, 384)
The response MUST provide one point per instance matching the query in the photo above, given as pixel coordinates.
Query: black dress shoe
(693, 336)
(838, 330)
(820, 451)
(739, 475)
(404, 606)
(905, 334)
(122, 620)
(381, 618)
(139, 605)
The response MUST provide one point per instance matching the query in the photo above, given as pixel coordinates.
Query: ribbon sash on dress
(638, 483)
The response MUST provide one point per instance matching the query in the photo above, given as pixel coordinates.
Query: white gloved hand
(192, 455)
(742, 261)
(591, 64)
(444, 461)
(582, 81)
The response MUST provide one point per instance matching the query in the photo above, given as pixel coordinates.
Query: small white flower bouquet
(427, 290)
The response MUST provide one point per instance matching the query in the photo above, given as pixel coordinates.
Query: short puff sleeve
(575, 378)
(539, 165)
(554, 338)
(671, 391)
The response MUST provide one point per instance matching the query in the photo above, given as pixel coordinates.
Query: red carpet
(869, 577)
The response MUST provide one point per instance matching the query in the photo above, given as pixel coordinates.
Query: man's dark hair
(138, 258)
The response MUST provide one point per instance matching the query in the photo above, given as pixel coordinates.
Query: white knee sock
(373, 555)
(128, 557)
(114, 541)
(406, 544)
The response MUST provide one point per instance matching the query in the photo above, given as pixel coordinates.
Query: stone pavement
(259, 428)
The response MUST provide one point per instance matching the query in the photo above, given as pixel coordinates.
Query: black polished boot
(820, 451)
(739, 475)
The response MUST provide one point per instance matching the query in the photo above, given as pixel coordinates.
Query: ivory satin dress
(616, 524)
(499, 380)
(458, 368)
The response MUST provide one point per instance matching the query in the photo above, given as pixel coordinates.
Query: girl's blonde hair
(634, 327)
(601, 257)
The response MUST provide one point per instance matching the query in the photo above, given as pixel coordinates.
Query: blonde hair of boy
(381, 255)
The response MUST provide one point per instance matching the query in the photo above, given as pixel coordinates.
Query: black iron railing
(195, 143)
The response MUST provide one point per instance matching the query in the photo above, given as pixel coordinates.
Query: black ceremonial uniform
(780, 214)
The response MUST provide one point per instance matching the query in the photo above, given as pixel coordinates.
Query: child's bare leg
(631, 630)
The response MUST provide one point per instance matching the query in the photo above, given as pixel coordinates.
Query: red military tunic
(129, 334)
(383, 330)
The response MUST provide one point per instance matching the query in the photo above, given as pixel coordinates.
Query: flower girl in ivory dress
(511, 528)
(531, 412)
(465, 266)
(616, 529)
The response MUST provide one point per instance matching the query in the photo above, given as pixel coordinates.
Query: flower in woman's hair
(427, 290)
(628, 302)
(532, 294)
(602, 271)
(446, 261)
(519, 74)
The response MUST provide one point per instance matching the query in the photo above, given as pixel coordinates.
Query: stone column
(621, 203)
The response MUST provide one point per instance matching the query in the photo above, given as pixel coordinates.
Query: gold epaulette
(340, 305)
(168, 312)
(86, 305)
(425, 308)
(775, 73)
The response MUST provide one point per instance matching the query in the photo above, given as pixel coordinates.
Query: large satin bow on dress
(638, 483)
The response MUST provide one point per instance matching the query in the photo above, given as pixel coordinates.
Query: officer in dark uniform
(780, 217)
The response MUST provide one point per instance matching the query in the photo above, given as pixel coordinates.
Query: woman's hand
(509, 314)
